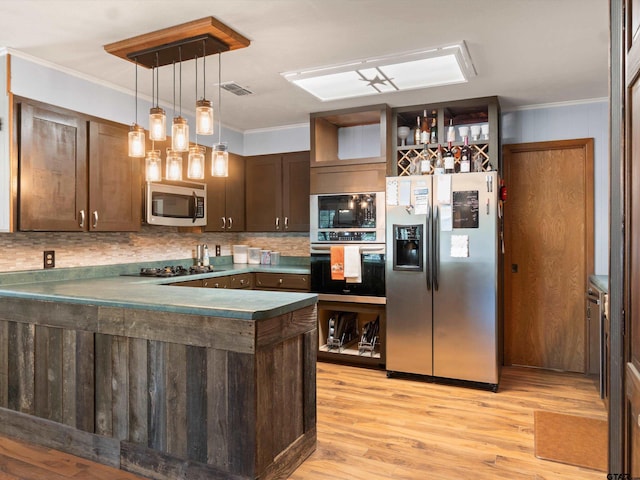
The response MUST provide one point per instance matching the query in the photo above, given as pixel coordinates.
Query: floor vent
(236, 89)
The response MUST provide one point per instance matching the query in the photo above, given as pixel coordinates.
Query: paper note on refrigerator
(446, 218)
(404, 192)
(444, 188)
(421, 199)
(392, 191)
(459, 245)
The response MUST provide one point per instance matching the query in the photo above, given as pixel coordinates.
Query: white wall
(569, 121)
(292, 138)
(32, 78)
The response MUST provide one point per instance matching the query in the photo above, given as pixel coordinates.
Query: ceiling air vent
(236, 89)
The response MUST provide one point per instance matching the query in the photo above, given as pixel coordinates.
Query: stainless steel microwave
(347, 217)
(177, 204)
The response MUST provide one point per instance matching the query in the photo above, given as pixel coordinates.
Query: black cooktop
(175, 271)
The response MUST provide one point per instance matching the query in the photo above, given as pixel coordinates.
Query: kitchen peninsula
(164, 381)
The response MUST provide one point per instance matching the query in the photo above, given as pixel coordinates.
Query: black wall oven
(370, 290)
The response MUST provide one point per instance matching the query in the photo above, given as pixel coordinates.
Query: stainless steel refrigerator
(442, 276)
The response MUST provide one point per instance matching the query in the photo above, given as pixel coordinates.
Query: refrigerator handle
(427, 246)
(436, 247)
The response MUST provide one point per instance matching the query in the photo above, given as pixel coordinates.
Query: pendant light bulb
(153, 166)
(220, 160)
(174, 165)
(204, 117)
(195, 165)
(204, 108)
(136, 141)
(157, 124)
(180, 135)
(136, 133)
(157, 116)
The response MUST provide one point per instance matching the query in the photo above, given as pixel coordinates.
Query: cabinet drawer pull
(95, 219)
(277, 223)
(286, 223)
(81, 218)
(230, 223)
(224, 223)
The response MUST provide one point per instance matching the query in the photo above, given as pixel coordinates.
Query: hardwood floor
(374, 428)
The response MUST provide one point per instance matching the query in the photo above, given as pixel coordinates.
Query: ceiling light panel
(446, 65)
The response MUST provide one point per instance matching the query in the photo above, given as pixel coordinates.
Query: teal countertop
(119, 288)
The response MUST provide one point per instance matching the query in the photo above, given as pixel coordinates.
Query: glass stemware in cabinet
(403, 133)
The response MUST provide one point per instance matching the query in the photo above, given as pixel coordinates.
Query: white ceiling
(528, 52)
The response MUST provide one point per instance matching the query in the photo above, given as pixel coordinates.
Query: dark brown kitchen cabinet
(277, 193)
(282, 281)
(225, 199)
(53, 170)
(115, 194)
(74, 173)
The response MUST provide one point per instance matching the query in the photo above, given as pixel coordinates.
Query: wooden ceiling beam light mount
(188, 41)
(197, 38)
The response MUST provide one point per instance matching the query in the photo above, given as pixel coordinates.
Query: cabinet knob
(280, 281)
(242, 282)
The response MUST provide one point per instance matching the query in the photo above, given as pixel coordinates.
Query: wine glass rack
(411, 156)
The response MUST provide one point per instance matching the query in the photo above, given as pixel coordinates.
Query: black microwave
(348, 217)
(178, 204)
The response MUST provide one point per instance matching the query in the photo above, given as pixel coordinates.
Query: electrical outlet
(49, 259)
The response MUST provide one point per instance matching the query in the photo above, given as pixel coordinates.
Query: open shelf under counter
(351, 353)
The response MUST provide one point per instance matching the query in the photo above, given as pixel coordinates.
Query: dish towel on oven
(352, 264)
(337, 262)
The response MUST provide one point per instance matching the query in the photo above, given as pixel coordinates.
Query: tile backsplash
(24, 250)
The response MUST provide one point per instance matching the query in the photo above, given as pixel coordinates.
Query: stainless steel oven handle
(363, 249)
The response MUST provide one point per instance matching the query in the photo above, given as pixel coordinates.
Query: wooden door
(216, 202)
(235, 194)
(264, 193)
(295, 191)
(53, 170)
(632, 257)
(225, 199)
(548, 252)
(115, 182)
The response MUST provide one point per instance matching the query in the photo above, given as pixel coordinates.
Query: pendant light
(174, 165)
(204, 108)
(153, 166)
(220, 155)
(195, 160)
(180, 128)
(195, 164)
(157, 116)
(136, 133)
